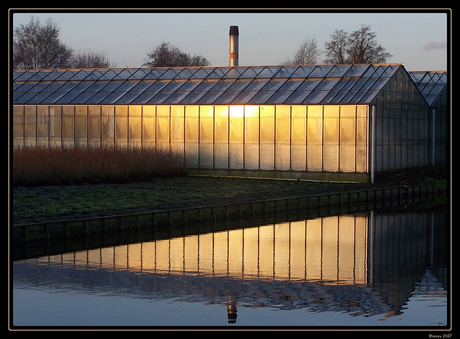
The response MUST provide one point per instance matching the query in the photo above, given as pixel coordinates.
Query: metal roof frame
(241, 85)
(430, 84)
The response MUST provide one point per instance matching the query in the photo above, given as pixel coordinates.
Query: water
(371, 269)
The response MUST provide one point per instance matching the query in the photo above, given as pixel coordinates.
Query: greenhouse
(433, 86)
(319, 122)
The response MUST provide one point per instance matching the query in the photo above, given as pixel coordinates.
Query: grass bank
(47, 203)
(39, 165)
(50, 203)
(92, 198)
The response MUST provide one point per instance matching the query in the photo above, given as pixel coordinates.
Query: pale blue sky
(419, 40)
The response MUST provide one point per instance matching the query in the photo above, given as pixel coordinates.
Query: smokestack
(234, 45)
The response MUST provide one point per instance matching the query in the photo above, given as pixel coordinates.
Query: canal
(384, 267)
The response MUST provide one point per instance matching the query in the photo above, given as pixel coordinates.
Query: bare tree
(307, 54)
(38, 47)
(336, 49)
(169, 55)
(90, 59)
(363, 47)
(358, 47)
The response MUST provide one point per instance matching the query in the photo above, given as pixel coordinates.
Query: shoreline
(37, 239)
(69, 202)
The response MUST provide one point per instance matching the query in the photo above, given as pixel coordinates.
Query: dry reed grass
(40, 165)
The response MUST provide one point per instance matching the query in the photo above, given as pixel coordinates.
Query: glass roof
(307, 84)
(430, 84)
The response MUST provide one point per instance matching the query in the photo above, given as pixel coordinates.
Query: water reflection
(362, 265)
(403, 245)
(324, 249)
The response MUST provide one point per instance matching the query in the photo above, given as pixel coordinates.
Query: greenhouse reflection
(363, 264)
(324, 249)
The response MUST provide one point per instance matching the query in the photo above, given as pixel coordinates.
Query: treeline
(358, 47)
(37, 46)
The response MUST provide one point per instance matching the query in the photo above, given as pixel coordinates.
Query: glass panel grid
(224, 85)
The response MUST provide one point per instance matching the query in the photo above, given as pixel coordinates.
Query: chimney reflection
(231, 311)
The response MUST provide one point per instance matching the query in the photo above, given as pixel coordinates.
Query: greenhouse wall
(402, 126)
(441, 128)
(293, 139)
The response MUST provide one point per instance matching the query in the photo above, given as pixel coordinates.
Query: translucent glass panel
(235, 145)
(18, 126)
(42, 122)
(361, 139)
(206, 140)
(283, 138)
(191, 136)
(298, 138)
(331, 139)
(162, 127)
(177, 128)
(108, 125)
(78, 125)
(94, 125)
(68, 125)
(269, 137)
(315, 138)
(347, 138)
(81, 126)
(148, 119)
(121, 125)
(221, 124)
(353, 138)
(55, 125)
(251, 137)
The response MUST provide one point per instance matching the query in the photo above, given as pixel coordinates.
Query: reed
(42, 165)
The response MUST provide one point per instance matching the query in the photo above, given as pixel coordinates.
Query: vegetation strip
(42, 165)
(65, 202)
(48, 203)
(180, 220)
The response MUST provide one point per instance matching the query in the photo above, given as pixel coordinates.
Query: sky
(419, 40)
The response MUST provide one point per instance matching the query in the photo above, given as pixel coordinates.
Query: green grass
(38, 204)
(436, 183)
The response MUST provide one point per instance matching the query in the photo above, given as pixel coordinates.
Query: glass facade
(433, 87)
(402, 127)
(441, 128)
(267, 137)
(293, 119)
